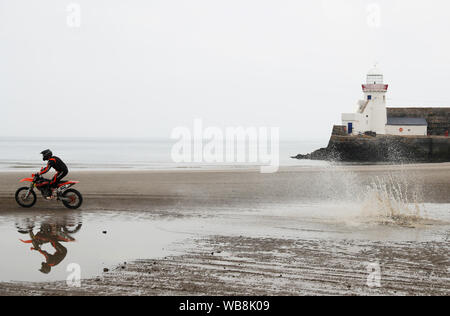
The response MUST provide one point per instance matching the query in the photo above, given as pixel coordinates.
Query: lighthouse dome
(375, 71)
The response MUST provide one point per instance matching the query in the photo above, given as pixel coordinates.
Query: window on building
(369, 97)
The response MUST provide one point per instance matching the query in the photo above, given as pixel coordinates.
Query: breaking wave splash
(393, 201)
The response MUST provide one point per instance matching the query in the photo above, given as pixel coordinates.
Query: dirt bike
(26, 197)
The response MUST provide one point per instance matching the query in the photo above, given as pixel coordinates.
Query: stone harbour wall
(384, 148)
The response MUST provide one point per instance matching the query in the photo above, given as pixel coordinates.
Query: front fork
(29, 191)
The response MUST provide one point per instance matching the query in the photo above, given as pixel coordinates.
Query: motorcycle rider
(55, 163)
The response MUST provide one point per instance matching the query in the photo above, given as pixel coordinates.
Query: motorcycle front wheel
(25, 199)
(72, 199)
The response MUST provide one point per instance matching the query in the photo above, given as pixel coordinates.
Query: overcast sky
(142, 67)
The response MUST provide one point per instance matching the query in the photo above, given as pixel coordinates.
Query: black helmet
(45, 268)
(46, 154)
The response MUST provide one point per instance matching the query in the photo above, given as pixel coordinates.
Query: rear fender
(66, 185)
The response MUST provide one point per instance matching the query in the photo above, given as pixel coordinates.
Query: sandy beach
(301, 231)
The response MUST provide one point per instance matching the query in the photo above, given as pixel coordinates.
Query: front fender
(27, 180)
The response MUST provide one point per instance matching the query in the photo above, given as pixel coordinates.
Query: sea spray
(393, 196)
(393, 200)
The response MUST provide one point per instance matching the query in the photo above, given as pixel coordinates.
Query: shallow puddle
(93, 242)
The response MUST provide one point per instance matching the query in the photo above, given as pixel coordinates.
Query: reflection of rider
(53, 235)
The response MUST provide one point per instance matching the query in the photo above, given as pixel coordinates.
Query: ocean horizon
(22, 153)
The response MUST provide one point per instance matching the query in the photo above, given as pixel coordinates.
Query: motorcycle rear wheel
(75, 197)
(25, 202)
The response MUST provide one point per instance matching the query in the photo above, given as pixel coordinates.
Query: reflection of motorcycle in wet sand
(53, 234)
(26, 197)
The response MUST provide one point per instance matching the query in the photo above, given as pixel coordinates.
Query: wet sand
(228, 186)
(296, 232)
(259, 266)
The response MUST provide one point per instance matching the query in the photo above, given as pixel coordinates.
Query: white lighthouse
(371, 114)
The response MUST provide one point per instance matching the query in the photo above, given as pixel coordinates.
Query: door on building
(350, 128)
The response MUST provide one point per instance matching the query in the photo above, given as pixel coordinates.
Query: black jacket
(56, 164)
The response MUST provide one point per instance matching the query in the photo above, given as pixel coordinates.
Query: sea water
(148, 154)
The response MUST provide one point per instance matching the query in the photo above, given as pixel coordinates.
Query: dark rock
(371, 134)
(383, 148)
